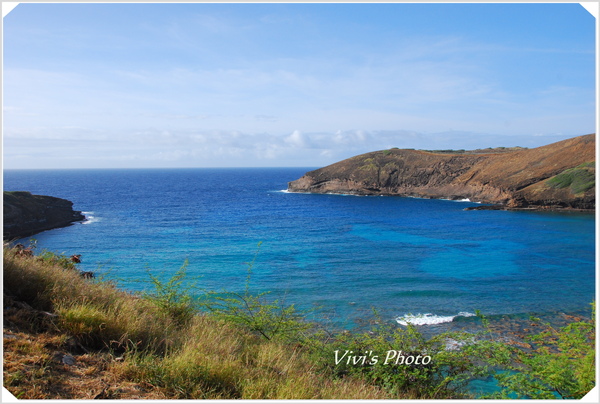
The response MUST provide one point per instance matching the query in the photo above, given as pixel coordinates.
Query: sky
(275, 85)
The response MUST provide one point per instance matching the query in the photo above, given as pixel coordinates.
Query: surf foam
(89, 218)
(429, 318)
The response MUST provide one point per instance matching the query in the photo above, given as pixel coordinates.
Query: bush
(57, 259)
(269, 318)
(403, 361)
(172, 297)
(561, 364)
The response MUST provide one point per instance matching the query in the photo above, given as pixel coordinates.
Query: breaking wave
(429, 319)
(89, 218)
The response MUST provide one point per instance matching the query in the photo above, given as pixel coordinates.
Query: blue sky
(234, 85)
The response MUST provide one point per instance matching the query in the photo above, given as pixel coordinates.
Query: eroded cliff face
(26, 214)
(560, 175)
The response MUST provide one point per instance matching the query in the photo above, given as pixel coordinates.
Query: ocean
(426, 261)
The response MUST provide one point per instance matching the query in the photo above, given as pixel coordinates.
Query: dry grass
(33, 366)
(125, 347)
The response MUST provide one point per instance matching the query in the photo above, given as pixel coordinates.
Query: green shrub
(403, 361)
(269, 318)
(59, 259)
(254, 311)
(561, 364)
(172, 297)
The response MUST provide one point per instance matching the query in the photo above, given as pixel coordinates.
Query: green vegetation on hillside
(157, 344)
(579, 179)
(368, 164)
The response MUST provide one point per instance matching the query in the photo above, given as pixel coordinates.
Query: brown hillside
(515, 177)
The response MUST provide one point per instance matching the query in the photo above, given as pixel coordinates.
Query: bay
(340, 254)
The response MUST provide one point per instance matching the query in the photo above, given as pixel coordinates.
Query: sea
(340, 258)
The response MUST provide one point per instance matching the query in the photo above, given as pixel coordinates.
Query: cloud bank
(180, 148)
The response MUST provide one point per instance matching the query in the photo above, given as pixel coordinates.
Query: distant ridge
(560, 175)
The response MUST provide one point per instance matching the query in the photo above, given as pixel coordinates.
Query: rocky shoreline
(555, 208)
(26, 214)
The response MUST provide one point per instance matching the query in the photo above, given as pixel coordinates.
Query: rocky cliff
(559, 175)
(26, 214)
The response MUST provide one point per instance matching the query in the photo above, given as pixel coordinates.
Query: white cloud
(296, 139)
(172, 148)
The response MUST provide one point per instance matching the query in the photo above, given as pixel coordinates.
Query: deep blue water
(344, 254)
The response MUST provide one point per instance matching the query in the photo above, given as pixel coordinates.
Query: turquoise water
(340, 254)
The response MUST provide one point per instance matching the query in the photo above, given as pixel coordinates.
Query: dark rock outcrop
(560, 175)
(26, 214)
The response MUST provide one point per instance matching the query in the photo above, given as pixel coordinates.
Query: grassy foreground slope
(71, 337)
(124, 346)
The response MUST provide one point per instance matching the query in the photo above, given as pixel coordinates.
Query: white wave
(429, 318)
(337, 194)
(456, 200)
(89, 218)
(465, 200)
(287, 191)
